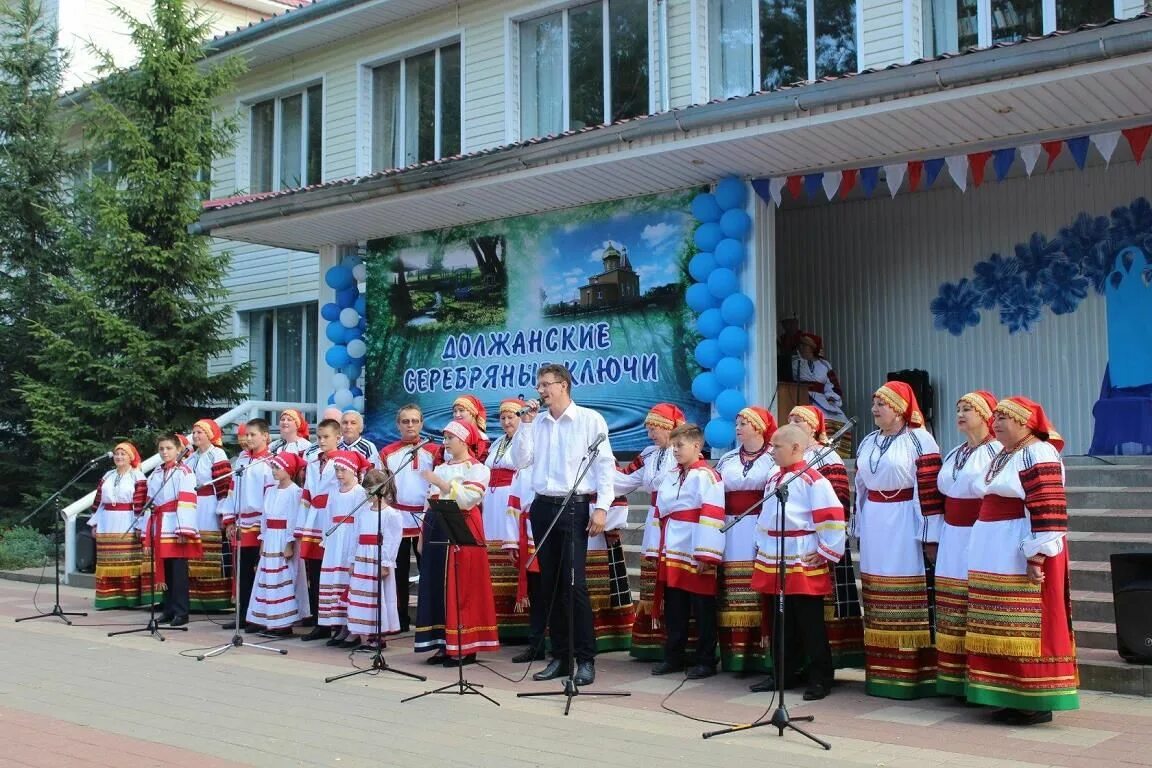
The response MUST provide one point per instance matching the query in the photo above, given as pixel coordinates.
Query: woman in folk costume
(293, 432)
(1021, 651)
(745, 470)
(468, 409)
(529, 600)
(171, 526)
(339, 542)
(645, 473)
(899, 512)
(842, 606)
(461, 621)
(279, 596)
(209, 589)
(609, 591)
(810, 367)
(501, 527)
(372, 609)
(960, 482)
(123, 573)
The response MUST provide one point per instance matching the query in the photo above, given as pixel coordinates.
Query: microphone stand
(571, 690)
(57, 611)
(780, 718)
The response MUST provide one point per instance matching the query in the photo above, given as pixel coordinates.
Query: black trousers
(555, 557)
(403, 573)
(679, 606)
(246, 561)
(537, 611)
(805, 637)
(312, 571)
(175, 602)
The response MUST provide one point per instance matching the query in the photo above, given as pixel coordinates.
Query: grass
(23, 547)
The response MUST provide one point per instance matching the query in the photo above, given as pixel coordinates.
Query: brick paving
(73, 696)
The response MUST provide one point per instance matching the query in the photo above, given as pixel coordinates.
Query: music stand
(458, 534)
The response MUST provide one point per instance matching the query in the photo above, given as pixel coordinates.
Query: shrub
(24, 547)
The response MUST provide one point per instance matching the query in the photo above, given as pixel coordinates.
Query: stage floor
(71, 696)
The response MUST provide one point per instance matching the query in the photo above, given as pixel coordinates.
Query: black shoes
(232, 625)
(460, 661)
(1024, 717)
(179, 621)
(437, 658)
(318, 633)
(531, 654)
(585, 673)
(816, 691)
(556, 668)
(701, 671)
(251, 629)
(667, 668)
(767, 685)
(164, 618)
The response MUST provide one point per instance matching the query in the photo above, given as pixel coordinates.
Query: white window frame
(244, 104)
(657, 62)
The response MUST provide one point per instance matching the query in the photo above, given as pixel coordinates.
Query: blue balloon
(729, 403)
(720, 433)
(332, 399)
(356, 392)
(707, 235)
(705, 208)
(346, 297)
(736, 223)
(353, 370)
(723, 282)
(699, 298)
(351, 260)
(710, 323)
(339, 277)
(335, 333)
(732, 341)
(705, 388)
(330, 312)
(730, 253)
(350, 334)
(731, 193)
(730, 372)
(737, 309)
(361, 305)
(701, 266)
(337, 356)
(708, 353)
(363, 324)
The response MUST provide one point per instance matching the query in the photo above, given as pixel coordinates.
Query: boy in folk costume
(210, 589)
(279, 598)
(501, 531)
(171, 527)
(352, 438)
(319, 484)
(690, 513)
(814, 535)
(371, 592)
(116, 524)
(243, 510)
(339, 542)
(406, 459)
(293, 433)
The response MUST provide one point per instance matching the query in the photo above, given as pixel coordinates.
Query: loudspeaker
(922, 386)
(85, 547)
(1132, 603)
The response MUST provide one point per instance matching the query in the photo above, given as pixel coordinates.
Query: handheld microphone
(419, 444)
(101, 457)
(596, 443)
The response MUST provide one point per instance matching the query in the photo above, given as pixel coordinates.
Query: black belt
(579, 498)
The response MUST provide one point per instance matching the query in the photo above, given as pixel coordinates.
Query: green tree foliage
(33, 162)
(126, 351)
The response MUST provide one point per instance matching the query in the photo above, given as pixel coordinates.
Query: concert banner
(477, 309)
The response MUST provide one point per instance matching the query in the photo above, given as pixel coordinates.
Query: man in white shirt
(550, 448)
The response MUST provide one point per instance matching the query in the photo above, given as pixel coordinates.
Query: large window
(585, 65)
(282, 351)
(286, 136)
(760, 45)
(416, 108)
(956, 25)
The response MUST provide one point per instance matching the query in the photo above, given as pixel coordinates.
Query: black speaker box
(1132, 603)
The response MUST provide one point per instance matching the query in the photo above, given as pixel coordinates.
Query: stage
(70, 696)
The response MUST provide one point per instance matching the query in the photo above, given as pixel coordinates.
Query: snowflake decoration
(956, 307)
(1035, 256)
(1063, 287)
(1019, 308)
(1086, 243)
(993, 278)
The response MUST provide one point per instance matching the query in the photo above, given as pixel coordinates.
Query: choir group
(963, 565)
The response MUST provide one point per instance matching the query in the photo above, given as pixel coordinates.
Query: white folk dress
(339, 541)
(279, 596)
(378, 535)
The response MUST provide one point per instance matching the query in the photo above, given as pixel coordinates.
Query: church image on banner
(955, 188)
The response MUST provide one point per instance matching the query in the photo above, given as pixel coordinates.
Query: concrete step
(1095, 634)
(1103, 475)
(1092, 606)
(1110, 520)
(1097, 546)
(1116, 497)
(1108, 461)
(1090, 575)
(1104, 670)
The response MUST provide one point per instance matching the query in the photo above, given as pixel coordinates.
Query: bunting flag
(1079, 149)
(848, 183)
(1053, 150)
(795, 185)
(1030, 153)
(932, 170)
(1105, 144)
(869, 178)
(978, 161)
(958, 170)
(1002, 160)
(894, 176)
(915, 171)
(776, 190)
(1138, 140)
(813, 183)
(832, 184)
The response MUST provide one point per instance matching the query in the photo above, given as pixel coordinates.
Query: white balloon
(344, 398)
(357, 349)
(360, 272)
(358, 404)
(349, 318)
(339, 382)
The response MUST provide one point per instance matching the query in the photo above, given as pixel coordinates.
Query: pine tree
(33, 166)
(127, 351)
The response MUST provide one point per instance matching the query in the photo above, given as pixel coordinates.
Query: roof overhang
(1089, 81)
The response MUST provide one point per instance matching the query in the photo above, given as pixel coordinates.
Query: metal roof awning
(1056, 87)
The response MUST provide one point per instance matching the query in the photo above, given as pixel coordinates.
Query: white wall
(862, 274)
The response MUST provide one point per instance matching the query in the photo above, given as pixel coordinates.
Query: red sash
(500, 478)
(736, 502)
(370, 538)
(125, 507)
(206, 490)
(276, 525)
(891, 497)
(994, 509)
(961, 513)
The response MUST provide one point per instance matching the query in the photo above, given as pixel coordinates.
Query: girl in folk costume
(468, 409)
(501, 530)
(899, 513)
(171, 526)
(842, 606)
(209, 589)
(280, 597)
(689, 511)
(813, 538)
(745, 471)
(293, 433)
(456, 615)
(1021, 651)
(320, 484)
(123, 574)
(960, 483)
(339, 542)
(810, 367)
(529, 599)
(371, 592)
(243, 510)
(645, 473)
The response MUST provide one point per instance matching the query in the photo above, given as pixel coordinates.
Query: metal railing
(241, 413)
